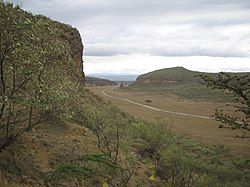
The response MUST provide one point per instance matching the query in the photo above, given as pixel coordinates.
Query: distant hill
(175, 75)
(179, 81)
(168, 76)
(114, 77)
(94, 81)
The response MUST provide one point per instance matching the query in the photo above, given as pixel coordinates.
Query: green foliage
(151, 138)
(148, 101)
(34, 85)
(109, 125)
(239, 87)
(99, 158)
(82, 170)
(177, 169)
(178, 161)
(66, 170)
(192, 91)
(110, 128)
(183, 162)
(90, 168)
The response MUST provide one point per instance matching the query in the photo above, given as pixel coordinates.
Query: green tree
(239, 86)
(148, 101)
(111, 128)
(33, 85)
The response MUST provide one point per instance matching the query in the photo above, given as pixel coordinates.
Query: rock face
(73, 37)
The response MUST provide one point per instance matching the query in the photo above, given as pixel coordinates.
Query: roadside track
(157, 109)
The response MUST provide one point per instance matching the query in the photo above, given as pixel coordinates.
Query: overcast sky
(137, 36)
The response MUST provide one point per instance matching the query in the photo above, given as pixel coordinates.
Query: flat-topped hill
(168, 75)
(173, 75)
(179, 81)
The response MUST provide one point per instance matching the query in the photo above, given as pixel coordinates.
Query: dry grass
(42, 150)
(205, 130)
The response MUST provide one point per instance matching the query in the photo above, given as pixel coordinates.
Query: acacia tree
(239, 86)
(148, 101)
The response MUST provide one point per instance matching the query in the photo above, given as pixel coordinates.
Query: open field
(205, 130)
(190, 91)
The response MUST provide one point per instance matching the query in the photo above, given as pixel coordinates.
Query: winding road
(157, 109)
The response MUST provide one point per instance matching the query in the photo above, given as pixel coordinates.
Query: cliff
(74, 40)
(41, 68)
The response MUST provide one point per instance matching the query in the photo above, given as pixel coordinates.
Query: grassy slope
(192, 91)
(147, 149)
(45, 147)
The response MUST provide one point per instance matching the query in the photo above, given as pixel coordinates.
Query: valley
(205, 130)
(59, 128)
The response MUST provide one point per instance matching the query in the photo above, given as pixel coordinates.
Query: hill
(94, 81)
(55, 132)
(176, 75)
(179, 81)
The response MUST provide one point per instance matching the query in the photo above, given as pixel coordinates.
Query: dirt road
(187, 117)
(157, 109)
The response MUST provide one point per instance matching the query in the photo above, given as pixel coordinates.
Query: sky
(138, 36)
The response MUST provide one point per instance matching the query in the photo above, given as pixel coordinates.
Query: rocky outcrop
(73, 37)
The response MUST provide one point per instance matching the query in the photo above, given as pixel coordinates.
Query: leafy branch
(238, 85)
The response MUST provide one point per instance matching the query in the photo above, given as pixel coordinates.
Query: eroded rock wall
(73, 37)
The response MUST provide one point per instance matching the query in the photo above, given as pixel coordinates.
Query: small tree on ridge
(239, 87)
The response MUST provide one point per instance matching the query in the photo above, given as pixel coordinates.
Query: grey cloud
(129, 10)
(199, 51)
(105, 51)
(162, 27)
